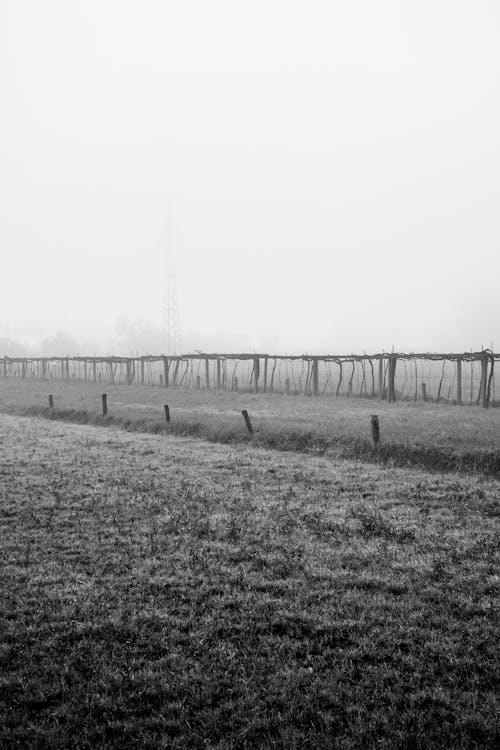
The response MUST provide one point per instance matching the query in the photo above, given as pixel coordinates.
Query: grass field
(169, 592)
(431, 435)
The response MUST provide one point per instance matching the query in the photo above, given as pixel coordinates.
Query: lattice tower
(171, 320)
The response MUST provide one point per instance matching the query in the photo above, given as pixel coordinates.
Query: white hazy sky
(328, 173)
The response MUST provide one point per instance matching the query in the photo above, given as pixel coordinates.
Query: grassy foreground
(166, 592)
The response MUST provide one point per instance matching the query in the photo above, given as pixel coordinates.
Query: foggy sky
(327, 173)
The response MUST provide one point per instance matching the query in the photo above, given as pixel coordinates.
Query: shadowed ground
(163, 591)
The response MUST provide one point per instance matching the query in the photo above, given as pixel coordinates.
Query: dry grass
(167, 592)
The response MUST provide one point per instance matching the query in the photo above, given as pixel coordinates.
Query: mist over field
(325, 174)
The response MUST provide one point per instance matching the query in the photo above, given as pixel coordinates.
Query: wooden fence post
(247, 421)
(104, 404)
(51, 401)
(375, 429)
(167, 412)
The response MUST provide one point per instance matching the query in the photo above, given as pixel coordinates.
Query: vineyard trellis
(465, 378)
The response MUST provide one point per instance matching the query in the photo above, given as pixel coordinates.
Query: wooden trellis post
(207, 373)
(315, 376)
(176, 372)
(459, 380)
(381, 378)
(392, 373)
(490, 380)
(256, 373)
(484, 380)
(166, 367)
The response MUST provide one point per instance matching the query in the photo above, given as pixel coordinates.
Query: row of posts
(385, 373)
(375, 425)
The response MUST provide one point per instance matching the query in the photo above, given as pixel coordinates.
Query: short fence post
(104, 404)
(167, 413)
(51, 401)
(375, 429)
(247, 421)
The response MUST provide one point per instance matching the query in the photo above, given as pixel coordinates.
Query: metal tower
(171, 322)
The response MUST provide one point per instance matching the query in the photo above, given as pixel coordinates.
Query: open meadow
(165, 591)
